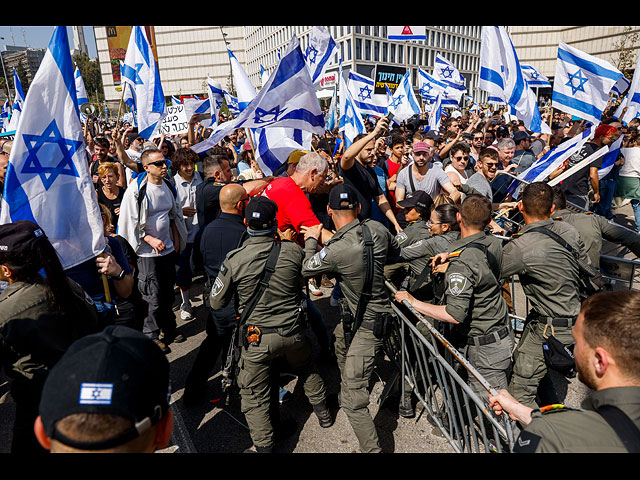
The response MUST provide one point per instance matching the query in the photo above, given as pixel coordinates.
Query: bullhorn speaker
(88, 109)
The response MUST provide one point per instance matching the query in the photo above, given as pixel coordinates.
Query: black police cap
(260, 213)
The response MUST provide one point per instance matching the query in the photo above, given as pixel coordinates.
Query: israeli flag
(621, 86)
(140, 73)
(632, 100)
(501, 76)
(287, 100)
(81, 91)
(193, 107)
(404, 104)
(351, 118)
(541, 168)
(435, 116)
(18, 103)
(447, 72)
(610, 158)
(175, 100)
(429, 87)
(582, 83)
(534, 78)
(332, 114)
(245, 90)
(320, 49)
(274, 145)
(361, 89)
(4, 116)
(264, 75)
(216, 100)
(232, 103)
(47, 179)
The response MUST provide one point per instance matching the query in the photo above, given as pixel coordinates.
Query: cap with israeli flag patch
(118, 371)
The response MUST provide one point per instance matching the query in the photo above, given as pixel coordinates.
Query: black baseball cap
(119, 371)
(20, 236)
(420, 200)
(260, 213)
(343, 197)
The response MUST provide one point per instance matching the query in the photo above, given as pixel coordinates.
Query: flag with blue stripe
(331, 119)
(175, 100)
(319, 51)
(287, 100)
(245, 91)
(351, 118)
(445, 71)
(232, 103)
(140, 73)
(4, 116)
(47, 180)
(582, 83)
(274, 145)
(610, 158)
(632, 101)
(501, 76)
(404, 103)
(542, 167)
(18, 103)
(81, 91)
(534, 78)
(429, 87)
(362, 90)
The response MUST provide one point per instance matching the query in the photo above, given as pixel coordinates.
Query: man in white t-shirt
(424, 175)
(151, 220)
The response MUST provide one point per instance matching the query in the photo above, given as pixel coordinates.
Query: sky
(39, 36)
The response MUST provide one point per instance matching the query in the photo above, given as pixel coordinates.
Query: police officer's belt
(489, 338)
(283, 332)
(554, 322)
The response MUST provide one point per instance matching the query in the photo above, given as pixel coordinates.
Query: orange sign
(118, 41)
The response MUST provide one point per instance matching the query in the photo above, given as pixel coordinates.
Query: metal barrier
(440, 377)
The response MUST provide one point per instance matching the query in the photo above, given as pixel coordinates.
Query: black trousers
(156, 281)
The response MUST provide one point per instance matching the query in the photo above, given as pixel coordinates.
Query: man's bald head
(230, 195)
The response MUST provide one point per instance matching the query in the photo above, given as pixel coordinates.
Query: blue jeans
(635, 204)
(607, 189)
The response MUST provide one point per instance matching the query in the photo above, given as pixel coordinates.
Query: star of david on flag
(287, 100)
(351, 118)
(582, 83)
(362, 90)
(140, 74)
(245, 90)
(320, 49)
(403, 103)
(47, 180)
(534, 78)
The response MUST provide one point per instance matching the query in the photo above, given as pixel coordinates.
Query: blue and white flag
(47, 180)
(621, 86)
(274, 145)
(264, 75)
(245, 91)
(331, 118)
(534, 78)
(404, 104)
(429, 87)
(632, 101)
(610, 158)
(232, 103)
(541, 168)
(287, 100)
(4, 116)
(216, 99)
(582, 83)
(362, 90)
(351, 118)
(447, 72)
(501, 76)
(81, 91)
(435, 116)
(140, 73)
(18, 102)
(320, 49)
(175, 100)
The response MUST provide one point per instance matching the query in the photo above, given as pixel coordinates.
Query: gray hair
(506, 143)
(312, 160)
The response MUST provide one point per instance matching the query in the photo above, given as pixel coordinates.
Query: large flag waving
(47, 179)
(245, 90)
(534, 78)
(362, 90)
(287, 100)
(351, 122)
(582, 83)
(140, 73)
(502, 77)
(319, 52)
(81, 91)
(404, 104)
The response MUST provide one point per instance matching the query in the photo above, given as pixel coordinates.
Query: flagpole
(120, 104)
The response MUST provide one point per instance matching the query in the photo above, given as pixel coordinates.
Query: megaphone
(88, 109)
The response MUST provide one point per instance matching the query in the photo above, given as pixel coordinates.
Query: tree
(626, 51)
(90, 71)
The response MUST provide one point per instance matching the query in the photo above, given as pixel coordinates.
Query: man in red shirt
(290, 195)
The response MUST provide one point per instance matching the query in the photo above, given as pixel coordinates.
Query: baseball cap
(421, 147)
(119, 371)
(520, 135)
(260, 213)
(420, 200)
(296, 155)
(343, 197)
(19, 236)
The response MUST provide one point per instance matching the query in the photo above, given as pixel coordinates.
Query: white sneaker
(186, 312)
(314, 290)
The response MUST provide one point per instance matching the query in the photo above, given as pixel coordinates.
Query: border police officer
(275, 328)
(344, 256)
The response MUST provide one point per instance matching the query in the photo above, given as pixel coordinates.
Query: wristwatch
(121, 276)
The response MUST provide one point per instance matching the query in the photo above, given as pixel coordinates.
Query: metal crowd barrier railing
(440, 377)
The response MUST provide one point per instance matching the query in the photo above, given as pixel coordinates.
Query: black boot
(324, 415)
(405, 408)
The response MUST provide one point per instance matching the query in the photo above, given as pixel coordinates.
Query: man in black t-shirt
(356, 170)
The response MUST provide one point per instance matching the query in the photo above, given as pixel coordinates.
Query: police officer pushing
(355, 255)
(264, 273)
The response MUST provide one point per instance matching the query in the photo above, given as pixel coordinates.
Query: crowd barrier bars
(440, 377)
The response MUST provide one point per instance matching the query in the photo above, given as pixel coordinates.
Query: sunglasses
(159, 163)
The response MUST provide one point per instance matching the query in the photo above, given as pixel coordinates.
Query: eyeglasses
(431, 224)
(491, 166)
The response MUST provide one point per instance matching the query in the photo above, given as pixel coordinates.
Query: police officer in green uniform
(549, 275)
(594, 228)
(472, 302)
(416, 208)
(607, 335)
(344, 257)
(275, 328)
